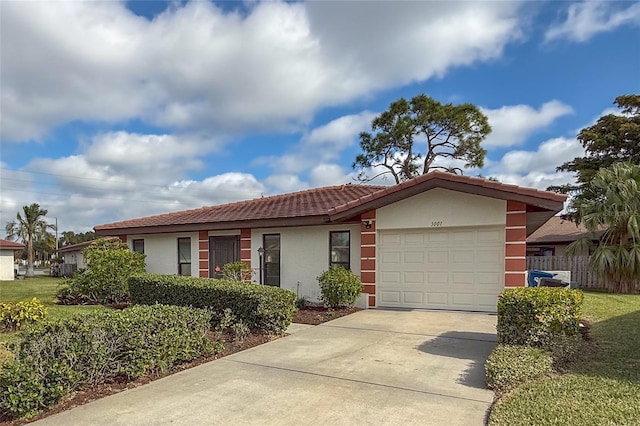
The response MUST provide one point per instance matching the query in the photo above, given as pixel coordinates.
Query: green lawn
(44, 288)
(603, 389)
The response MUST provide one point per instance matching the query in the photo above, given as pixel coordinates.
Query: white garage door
(456, 268)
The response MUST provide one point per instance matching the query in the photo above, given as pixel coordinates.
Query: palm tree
(611, 201)
(29, 225)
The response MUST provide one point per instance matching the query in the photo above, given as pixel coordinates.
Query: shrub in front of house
(109, 265)
(339, 287)
(55, 358)
(535, 316)
(14, 316)
(510, 365)
(237, 271)
(257, 306)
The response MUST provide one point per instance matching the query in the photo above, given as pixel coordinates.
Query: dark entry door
(271, 244)
(222, 250)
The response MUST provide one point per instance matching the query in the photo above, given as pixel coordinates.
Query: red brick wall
(245, 246)
(515, 246)
(368, 256)
(203, 253)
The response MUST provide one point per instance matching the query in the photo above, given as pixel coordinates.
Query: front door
(222, 250)
(271, 261)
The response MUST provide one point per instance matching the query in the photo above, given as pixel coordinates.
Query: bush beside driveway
(601, 387)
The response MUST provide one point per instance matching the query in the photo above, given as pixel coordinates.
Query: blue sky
(114, 110)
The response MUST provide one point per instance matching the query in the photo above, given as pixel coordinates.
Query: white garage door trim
(441, 268)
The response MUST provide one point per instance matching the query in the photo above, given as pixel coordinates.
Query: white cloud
(282, 183)
(513, 124)
(197, 67)
(322, 144)
(328, 175)
(537, 169)
(588, 18)
(118, 176)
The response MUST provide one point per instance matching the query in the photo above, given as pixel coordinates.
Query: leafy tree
(611, 201)
(110, 263)
(69, 237)
(44, 246)
(614, 138)
(446, 130)
(28, 226)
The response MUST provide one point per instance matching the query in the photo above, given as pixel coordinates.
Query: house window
(339, 249)
(184, 256)
(138, 246)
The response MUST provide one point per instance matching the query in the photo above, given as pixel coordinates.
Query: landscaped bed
(601, 387)
(232, 339)
(315, 315)
(231, 346)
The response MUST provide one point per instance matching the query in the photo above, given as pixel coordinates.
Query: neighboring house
(72, 254)
(437, 241)
(552, 238)
(7, 262)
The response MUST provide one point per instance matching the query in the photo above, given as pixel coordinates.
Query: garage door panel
(414, 277)
(435, 278)
(388, 257)
(441, 268)
(462, 300)
(486, 302)
(463, 257)
(435, 299)
(414, 240)
(463, 236)
(390, 298)
(413, 297)
(438, 257)
(487, 280)
(462, 279)
(390, 277)
(414, 257)
(390, 239)
(490, 257)
(437, 237)
(490, 235)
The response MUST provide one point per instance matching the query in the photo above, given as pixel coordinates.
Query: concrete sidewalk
(372, 367)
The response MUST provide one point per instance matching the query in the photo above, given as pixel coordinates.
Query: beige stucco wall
(441, 208)
(162, 252)
(6, 265)
(304, 254)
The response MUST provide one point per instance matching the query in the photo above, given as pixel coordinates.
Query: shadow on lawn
(615, 349)
(471, 346)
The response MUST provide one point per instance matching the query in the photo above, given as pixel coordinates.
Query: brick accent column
(203, 254)
(515, 260)
(245, 246)
(368, 256)
(123, 238)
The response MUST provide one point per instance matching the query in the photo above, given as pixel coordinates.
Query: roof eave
(217, 226)
(385, 198)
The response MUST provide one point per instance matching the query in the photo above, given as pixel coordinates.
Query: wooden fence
(578, 265)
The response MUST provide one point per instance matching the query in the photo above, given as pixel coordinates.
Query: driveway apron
(391, 367)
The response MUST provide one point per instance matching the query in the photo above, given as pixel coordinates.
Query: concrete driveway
(374, 367)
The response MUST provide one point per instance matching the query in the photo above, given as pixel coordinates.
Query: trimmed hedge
(258, 306)
(55, 358)
(510, 365)
(533, 316)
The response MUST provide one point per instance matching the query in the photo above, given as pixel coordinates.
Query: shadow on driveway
(471, 346)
